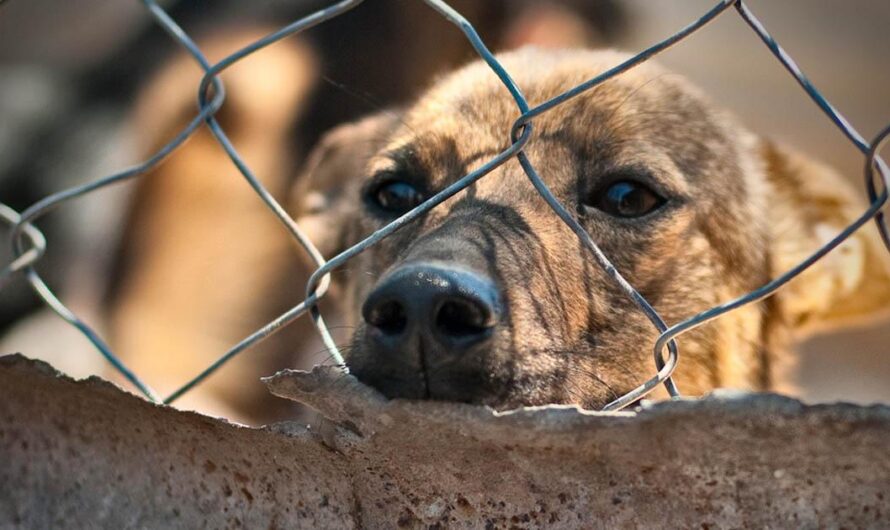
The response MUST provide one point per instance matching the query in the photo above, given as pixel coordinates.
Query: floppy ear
(325, 198)
(265, 92)
(809, 204)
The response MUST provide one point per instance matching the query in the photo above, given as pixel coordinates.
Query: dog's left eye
(395, 196)
(626, 198)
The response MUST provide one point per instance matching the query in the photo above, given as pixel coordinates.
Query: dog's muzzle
(423, 321)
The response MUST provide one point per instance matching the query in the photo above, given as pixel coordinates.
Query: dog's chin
(478, 383)
(418, 385)
(469, 389)
(471, 384)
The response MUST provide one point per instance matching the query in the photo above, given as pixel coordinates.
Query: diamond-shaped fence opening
(29, 244)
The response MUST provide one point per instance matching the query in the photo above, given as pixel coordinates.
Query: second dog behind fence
(492, 298)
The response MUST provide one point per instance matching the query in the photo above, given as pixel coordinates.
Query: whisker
(584, 371)
(368, 99)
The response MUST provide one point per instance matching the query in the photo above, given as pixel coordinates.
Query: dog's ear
(325, 197)
(265, 92)
(809, 204)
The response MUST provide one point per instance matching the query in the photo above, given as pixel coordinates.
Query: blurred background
(90, 87)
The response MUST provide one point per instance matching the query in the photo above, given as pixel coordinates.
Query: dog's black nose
(442, 309)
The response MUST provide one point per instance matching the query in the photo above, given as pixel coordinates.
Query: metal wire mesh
(29, 244)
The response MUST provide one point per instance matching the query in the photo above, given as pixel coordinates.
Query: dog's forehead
(475, 95)
(645, 117)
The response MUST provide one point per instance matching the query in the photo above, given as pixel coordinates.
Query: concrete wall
(83, 454)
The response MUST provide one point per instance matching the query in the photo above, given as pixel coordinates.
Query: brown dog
(491, 299)
(203, 262)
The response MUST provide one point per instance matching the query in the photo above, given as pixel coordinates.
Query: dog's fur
(190, 284)
(740, 210)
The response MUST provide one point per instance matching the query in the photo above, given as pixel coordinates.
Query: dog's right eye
(627, 199)
(395, 196)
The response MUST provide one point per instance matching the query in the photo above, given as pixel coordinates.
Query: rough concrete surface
(84, 454)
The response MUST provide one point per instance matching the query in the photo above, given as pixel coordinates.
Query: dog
(730, 212)
(491, 299)
(188, 286)
(202, 263)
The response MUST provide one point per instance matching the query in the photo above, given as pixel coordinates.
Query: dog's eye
(396, 196)
(626, 198)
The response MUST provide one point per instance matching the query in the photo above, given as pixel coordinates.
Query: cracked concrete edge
(345, 400)
(85, 454)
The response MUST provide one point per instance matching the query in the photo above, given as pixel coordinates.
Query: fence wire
(29, 245)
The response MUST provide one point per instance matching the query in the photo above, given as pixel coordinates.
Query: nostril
(461, 318)
(389, 317)
(437, 307)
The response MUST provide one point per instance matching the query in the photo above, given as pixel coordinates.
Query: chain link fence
(29, 244)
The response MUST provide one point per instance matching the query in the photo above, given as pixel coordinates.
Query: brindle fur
(203, 263)
(741, 210)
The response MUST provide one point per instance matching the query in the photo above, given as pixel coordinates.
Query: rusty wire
(29, 244)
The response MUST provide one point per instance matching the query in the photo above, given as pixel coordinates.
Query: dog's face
(490, 298)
